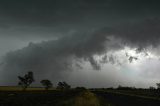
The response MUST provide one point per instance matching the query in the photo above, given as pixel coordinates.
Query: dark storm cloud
(57, 56)
(143, 33)
(54, 57)
(136, 23)
(50, 16)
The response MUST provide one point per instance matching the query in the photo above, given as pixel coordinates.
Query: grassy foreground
(15, 96)
(85, 98)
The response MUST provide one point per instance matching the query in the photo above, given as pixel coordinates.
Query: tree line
(26, 80)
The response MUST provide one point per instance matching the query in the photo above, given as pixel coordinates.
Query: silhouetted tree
(63, 86)
(158, 85)
(26, 80)
(152, 88)
(46, 83)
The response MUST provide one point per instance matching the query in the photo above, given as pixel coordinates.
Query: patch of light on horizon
(121, 57)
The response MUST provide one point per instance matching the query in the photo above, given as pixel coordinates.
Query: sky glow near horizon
(139, 72)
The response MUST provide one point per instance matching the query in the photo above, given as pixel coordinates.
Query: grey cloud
(56, 56)
(131, 58)
(141, 34)
(62, 16)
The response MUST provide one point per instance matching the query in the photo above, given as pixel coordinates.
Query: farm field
(17, 88)
(32, 96)
(14, 96)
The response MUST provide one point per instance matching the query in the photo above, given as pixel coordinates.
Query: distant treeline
(128, 88)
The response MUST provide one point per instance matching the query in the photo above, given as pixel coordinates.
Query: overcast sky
(92, 43)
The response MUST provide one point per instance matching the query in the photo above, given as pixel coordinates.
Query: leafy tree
(63, 86)
(26, 80)
(46, 83)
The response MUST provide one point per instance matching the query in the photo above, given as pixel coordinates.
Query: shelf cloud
(70, 33)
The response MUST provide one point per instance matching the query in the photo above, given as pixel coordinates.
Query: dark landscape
(79, 96)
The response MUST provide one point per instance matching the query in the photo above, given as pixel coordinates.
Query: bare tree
(26, 80)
